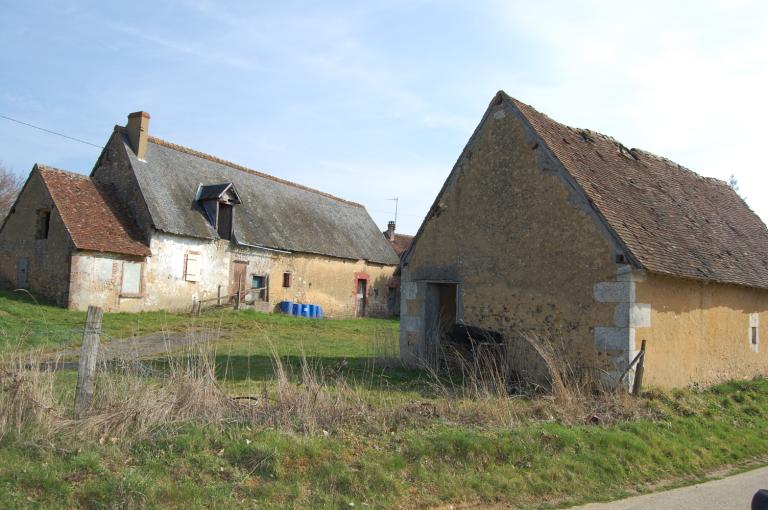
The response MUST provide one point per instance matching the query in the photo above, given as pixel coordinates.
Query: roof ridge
(614, 140)
(48, 168)
(210, 157)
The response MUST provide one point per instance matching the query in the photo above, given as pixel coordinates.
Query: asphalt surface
(732, 493)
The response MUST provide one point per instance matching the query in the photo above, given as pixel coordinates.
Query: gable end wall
(48, 259)
(526, 248)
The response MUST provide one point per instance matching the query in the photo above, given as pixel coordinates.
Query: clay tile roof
(91, 221)
(671, 220)
(400, 243)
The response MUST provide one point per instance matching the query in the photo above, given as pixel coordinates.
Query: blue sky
(372, 100)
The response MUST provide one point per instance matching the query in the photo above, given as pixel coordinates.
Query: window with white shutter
(192, 267)
(131, 282)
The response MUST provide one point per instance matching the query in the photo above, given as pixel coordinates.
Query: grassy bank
(332, 420)
(531, 465)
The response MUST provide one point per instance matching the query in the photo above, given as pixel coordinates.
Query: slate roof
(213, 191)
(671, 220)
(274, 213)
(90, 216)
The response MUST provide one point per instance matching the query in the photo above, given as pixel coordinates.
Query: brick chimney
(138, 133)
(391, 230)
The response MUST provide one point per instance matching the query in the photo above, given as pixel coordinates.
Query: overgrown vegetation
(329, 425)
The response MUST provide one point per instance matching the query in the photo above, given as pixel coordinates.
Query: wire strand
(51, 132)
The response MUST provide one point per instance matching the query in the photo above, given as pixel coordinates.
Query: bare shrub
(10, 184)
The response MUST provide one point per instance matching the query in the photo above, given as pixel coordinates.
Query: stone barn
(565, 233)
(160, 226)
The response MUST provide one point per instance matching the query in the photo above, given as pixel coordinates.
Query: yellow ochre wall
(700, 332)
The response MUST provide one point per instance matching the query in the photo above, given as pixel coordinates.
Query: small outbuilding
(543, 229)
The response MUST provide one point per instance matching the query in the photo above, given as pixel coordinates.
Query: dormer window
(217, 202)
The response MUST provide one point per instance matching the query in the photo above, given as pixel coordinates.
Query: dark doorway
(440, 310)
(362, 288)
(393, 307)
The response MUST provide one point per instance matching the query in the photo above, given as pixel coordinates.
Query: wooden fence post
(87, 366)
(639, 371)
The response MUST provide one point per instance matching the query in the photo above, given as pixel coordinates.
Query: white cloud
(687, 81)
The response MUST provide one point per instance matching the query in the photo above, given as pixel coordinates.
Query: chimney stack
(391, 230)
(138, 133)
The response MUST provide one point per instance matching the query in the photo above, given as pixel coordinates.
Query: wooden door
(362, 287)
(22, 273)
(238, 283)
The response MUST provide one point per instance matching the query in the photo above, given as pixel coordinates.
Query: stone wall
(113, 173)
(47, 259)
(525, 249)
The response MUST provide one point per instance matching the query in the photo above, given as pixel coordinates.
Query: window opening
(224, 224)
(43, 224)
(258, 285)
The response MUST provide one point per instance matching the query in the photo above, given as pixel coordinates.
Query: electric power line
(51, 132)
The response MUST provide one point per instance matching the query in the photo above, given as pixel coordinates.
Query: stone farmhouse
(160, 226)
(565, 233)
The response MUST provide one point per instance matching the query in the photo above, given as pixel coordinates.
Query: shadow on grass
(354, 371)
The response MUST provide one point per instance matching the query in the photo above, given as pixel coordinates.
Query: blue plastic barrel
(319, 313)
(286, 306)
(312, 311)
(296, 309)
(305, 311)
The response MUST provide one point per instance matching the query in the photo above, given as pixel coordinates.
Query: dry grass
(133, 399)
(483, 384)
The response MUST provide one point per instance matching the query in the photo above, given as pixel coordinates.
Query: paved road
(732, 493)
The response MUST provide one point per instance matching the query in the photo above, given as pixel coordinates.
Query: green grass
(535, 465)
(414, 462)
(25, 323)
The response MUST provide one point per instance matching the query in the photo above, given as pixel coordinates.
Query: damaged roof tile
(672, 220)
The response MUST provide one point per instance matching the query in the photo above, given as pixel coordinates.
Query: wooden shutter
(192, 267)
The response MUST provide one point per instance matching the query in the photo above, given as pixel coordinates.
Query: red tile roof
(92, 219)
(400, 243)
(671, 220)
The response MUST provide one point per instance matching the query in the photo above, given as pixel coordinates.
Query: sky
(375, 100)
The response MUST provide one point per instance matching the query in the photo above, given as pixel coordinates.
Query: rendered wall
(700, 332)
(331, 283)
(327, 281)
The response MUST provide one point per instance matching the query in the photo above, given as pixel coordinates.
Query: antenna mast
(396, 199)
